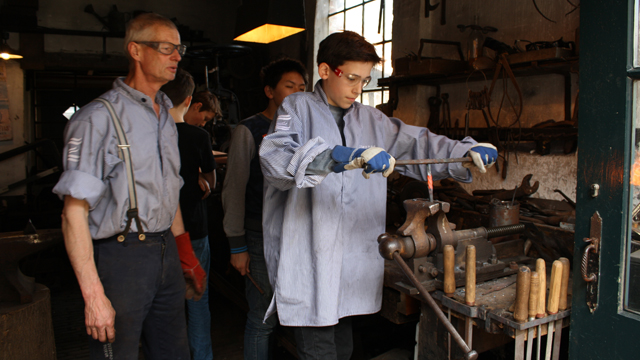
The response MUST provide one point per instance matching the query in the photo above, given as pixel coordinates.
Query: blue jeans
(325, 343)
(199, 316)
(144, 282)
(256, 333)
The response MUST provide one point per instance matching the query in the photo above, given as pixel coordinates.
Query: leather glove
(194, 275)
(373, 160)
(484, 155)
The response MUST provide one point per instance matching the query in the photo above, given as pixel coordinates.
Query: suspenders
(125, 155)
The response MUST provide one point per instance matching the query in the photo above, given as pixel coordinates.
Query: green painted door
(608, 328)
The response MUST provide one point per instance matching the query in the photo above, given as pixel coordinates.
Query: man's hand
(204, 186)
(240, 262)
(194, 275)
(99, 318)
(484, 155)
(373, 160)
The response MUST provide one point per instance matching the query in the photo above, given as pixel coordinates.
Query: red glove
(194, 275)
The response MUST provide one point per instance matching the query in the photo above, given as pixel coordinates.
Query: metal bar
(519, 350)
(432, 161)
(555, 355)
(471, 355)
(547, 354)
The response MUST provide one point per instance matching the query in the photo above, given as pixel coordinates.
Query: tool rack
(492, 322)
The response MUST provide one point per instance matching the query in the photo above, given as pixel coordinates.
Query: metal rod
(430, 182)
(470, 354)
(255, 283)
(432, 161)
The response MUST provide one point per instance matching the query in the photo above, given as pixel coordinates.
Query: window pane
(388, 19)
(385, 96)
(336, 23)
(388, 69)
(335, 5)
(633, 261)
(371, 15)
(351, 3)
(372, 98)
(354, 20)
(376, 72)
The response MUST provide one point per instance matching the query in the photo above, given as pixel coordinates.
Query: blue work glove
(373, 160)
(484, 155)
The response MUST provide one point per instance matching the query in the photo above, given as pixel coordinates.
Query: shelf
(535, 68)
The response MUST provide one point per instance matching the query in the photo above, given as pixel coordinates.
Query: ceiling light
(6, 52)
(266, 21)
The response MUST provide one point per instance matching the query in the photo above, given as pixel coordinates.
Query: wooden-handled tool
(564, 286)
(554, 298)
(470, 291)
(541, 269)
(449, 270)
(534, 293)
(562, 305)
(523, 287)
(470, 269)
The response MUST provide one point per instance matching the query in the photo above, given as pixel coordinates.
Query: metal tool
(432, 161)
(534, 293)
(541, 269)
(554, 298)
(523, 286)
(562, 305)
(255, 284)
(470, 291)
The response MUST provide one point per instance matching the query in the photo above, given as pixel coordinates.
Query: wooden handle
(534, 293)
(541, 269)
(554, 287)
(470, 285)
(449, 270)
(564, 287)
(523, 286)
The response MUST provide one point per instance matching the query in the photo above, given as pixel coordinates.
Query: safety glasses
(353, 79)
(165, 48)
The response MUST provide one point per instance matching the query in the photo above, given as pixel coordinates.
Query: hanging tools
(469, 291)
(541, 269)
(554, 298)
(562, 305)
(534, 293)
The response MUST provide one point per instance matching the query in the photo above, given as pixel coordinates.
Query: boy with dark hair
(204, 107)
(321, 222)
(198, 172)
(242, 201)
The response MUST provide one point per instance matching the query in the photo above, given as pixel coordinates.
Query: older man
(120, 187)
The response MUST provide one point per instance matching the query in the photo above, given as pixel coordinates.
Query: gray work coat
(320, 232)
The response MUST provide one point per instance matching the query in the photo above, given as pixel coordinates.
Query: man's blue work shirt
(93, 170)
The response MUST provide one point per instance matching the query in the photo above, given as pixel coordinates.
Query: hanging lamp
(266, 21)
(6, 52)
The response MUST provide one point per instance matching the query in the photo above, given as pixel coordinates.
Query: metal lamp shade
(266, 21)
(7, 53)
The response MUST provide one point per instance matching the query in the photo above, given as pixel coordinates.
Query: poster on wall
(5, 121)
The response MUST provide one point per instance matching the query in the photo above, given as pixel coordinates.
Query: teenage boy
(121, 222)
(204, 107)
(196, 165)
(321, 222)
(242, 201)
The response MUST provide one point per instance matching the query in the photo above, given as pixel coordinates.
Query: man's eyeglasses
(353, 79)
(165, 48)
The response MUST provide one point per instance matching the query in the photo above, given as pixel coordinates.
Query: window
(365, 17)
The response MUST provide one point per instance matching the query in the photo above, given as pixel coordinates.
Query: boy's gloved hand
(484, 155)
(194, 275)
(373, 160)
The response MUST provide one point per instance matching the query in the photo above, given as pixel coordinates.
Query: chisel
(470, 291)
(533, 309)
(541, 269)
(562, 305)
(521, 305)
(449, 282)
(554, 298)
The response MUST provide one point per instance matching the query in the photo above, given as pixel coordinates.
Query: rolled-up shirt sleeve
(86, 162)
(286, 152)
